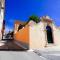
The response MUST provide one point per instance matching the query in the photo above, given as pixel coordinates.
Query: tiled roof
(19, 22)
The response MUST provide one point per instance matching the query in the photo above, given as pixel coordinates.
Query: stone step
(50, 45)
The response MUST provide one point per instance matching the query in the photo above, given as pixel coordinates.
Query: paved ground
(38, 54)
(14, 52)
(9, 55)
(29, 55)
(51, 55)
(10, 45)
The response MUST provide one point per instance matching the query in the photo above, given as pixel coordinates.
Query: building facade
(21, 35)
(38, 35)
(2, 6)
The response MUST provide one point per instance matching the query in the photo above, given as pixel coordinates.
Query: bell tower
(2, 6)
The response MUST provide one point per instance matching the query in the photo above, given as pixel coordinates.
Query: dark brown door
(49, 34)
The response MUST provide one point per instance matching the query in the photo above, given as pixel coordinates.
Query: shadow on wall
(23, 45)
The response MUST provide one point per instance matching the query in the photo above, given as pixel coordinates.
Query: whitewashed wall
(37, 36)
(56, 32)
(1, 17)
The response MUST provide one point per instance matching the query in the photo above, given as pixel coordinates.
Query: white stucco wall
(1, 17)
(56, 32)
(37, 36)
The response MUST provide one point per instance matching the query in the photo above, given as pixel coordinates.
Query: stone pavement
(38, 54)
(49, 53)
(10, 45)
(12, 51)
(29, 55)
(24, 55)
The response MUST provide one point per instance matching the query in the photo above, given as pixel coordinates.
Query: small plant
(34, 18)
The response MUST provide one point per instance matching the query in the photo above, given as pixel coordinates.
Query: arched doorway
(49, 34)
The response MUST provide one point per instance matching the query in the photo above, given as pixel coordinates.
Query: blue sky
(22, 9)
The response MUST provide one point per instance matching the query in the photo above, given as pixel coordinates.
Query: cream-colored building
(44, 34)
(2, 4)
(38, 35)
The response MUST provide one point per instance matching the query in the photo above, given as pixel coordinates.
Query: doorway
(49, 34)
